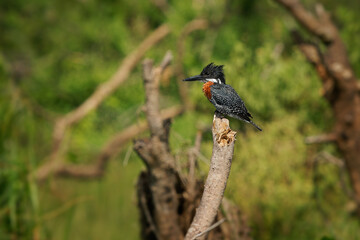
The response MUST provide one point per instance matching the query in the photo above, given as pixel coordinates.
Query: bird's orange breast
(206, 89)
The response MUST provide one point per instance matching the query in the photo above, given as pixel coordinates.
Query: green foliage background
(55, 53)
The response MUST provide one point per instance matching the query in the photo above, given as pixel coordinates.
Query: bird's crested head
(210, 73)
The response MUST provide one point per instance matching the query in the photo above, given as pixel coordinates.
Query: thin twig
(127, 155)
(202, 157)
(332, 159)
(209, 229)
(324, 138)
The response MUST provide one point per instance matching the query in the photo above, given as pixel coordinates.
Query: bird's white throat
(214, 80)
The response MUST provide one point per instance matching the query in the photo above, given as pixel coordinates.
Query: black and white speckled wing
(228, 102)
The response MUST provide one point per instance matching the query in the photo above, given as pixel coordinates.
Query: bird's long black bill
(195, 78)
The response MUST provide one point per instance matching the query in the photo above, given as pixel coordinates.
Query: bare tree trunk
(157, 186)
(340, 85)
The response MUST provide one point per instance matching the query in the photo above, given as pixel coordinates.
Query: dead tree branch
(313, 54)
(103, 91)
(223, 149)
(324, 138)
(339, 82)
(110, 149)
(161, 178)
(319, 25)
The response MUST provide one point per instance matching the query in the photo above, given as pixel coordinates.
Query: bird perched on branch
(222, 96)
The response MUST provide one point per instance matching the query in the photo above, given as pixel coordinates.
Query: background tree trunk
(340, 85)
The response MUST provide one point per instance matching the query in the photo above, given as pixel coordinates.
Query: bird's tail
(258, 128)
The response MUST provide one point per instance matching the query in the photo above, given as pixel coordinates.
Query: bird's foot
(219, 114)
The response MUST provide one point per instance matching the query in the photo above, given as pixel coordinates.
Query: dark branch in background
(315, 57)
(223, 149)
(340, 86)
(319, 25)
(103, 91)
(159, 182)
(197, 24)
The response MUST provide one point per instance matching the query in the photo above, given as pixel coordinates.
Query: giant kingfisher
(222, 96)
